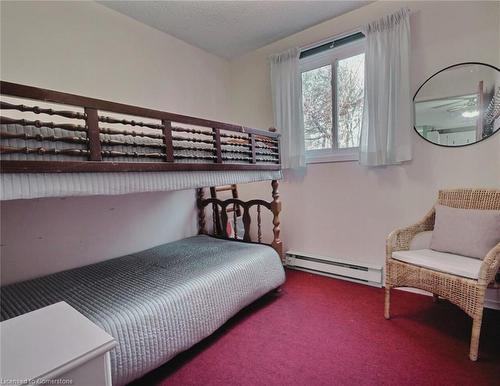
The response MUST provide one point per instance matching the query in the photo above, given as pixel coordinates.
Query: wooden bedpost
(200, 195)
(276, 209)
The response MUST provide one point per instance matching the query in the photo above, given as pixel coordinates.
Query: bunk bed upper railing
(96, 137)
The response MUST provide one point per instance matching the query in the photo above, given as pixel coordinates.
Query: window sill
(327, 157)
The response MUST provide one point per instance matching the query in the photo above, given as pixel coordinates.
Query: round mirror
(459, 105)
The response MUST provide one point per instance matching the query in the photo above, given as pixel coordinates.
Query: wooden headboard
(94, 126)
(220, 218)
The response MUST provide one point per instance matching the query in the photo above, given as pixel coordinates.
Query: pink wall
(47, 235)
(88, 49)
(343, 209)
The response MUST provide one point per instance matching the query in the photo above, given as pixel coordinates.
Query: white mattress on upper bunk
(37, 185)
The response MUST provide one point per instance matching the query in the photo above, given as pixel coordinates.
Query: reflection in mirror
(459, 105)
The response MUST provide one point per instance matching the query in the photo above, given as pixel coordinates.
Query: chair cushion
(466, 232)
(442, 262)
(422, 240)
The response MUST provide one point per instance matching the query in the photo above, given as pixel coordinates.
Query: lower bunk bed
(159, 302)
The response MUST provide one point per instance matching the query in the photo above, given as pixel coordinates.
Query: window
(332, 100)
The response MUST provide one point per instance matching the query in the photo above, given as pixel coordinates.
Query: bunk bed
(158, 302)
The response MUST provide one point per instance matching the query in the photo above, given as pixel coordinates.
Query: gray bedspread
(158, 302)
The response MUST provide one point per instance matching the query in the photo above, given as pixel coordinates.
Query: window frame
(321, 59)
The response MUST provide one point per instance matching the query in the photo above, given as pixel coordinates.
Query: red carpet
(322, 331)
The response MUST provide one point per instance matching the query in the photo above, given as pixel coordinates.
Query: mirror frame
(427, 80)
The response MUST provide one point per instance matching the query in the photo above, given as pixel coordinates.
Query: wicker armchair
(466, 293)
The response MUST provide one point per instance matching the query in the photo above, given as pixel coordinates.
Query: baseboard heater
(364, 273)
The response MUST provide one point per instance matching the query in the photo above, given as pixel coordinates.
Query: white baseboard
(352, 270)
(490, 301)
(492, 304)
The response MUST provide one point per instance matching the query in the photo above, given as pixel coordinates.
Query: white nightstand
(55, 342)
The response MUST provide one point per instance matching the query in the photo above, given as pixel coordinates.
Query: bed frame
(220, 217)
(212, 146)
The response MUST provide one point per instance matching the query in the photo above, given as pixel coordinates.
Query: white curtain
(387, 116)
(287, 106)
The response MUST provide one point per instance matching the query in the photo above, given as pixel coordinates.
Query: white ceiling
(232, 28)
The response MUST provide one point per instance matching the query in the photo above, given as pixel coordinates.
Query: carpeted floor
(322, 331)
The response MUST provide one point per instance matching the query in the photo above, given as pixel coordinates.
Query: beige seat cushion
(442, 262)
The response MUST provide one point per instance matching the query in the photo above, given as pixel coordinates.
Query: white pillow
(466, 232)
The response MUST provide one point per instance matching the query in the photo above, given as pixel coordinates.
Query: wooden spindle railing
(200, 195)
(253, 151)
(41, 137)
(92, 121)
(167, 141)
(129, 122)
(235, 223)
(276, 209)
(247, 220)
(259, 222)
(39, 124)
(41, 110)
(218, 149)
(224, 220)
(43, 151)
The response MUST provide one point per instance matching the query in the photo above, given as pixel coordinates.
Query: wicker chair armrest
(400, 239)
(490, 266)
